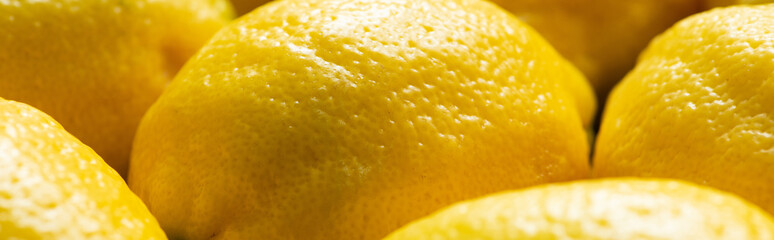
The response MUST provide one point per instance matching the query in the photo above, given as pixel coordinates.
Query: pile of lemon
(386, 119)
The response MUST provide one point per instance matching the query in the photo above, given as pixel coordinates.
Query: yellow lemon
(345, 119)
(97, 65)
(245, 6)
(54, 187)
(599, 209)
(699, 106)
(603, 37)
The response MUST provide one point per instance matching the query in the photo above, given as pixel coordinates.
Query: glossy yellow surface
(601, 37)
(54, 187)
(97, 65)
(599, 209)
(345, 119)
(699, 106)
(244, 6)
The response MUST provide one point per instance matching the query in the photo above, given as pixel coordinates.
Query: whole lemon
(345, 119)
(601, 37)
(699, 106)
(624, 208)
(97, 65)
(54, 187)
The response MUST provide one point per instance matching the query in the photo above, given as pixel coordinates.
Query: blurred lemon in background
(95, 65)
(345, 119)
(54, 187)
(599, 209)
(602, 37)
(699, 106)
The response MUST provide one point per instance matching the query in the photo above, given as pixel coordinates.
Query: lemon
(345, 119)
(54, 187)
(699, 106)
(603, 37)
(245, 6)
(97, 65)
(624, 208)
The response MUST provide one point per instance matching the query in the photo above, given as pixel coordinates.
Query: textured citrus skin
(54, 187)
(97, 65)
(625, 208)
(244, 6)
(699, 106)
(345, 119)
(601, 37)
